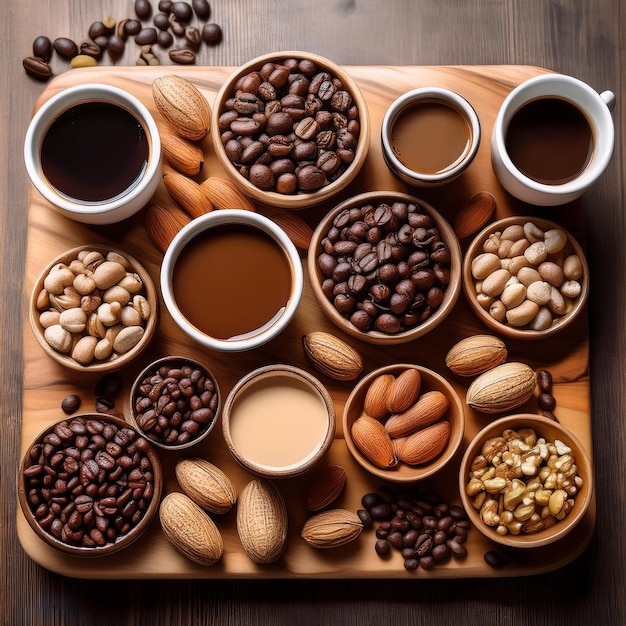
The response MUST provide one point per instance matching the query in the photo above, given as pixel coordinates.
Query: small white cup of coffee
(429, 136)
(552, 139)
(93, 151)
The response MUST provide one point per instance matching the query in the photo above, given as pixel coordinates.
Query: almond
(375, 403)
(502, 388)
(223, 194)
(474, 214)
(296, 228)
(430, 407)
(182, 105)
(404, 391)
(331, 529)
(262, 521)
(190, 530)
(206, 484)
(326, 487)
(332, 356)
(162, 224)
(476, 354)
(188, 193)
(373, 441)
(183, 155)
(425, 444)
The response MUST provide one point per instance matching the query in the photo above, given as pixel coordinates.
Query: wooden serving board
(565, 355)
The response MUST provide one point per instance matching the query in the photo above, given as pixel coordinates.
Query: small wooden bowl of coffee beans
(93, 309)
(526, 481)
(385, 267)
(174, 402)
(291, 129)
(526, 277)
(89, 485)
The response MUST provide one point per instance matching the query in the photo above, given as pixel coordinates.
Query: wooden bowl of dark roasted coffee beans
(385, 267)
(291, 129)
(89, 485)
(174, 402)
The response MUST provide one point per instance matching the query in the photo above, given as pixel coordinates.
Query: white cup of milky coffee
(553, 137)
(232, 280)
(93, 151)
(430, 136)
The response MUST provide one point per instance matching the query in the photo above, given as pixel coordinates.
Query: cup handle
(609, 99)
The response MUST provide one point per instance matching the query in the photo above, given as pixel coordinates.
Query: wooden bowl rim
(583, 462)
(111, 364)
(504, 329)
(404, 473)
(451, 293)
(301, 200)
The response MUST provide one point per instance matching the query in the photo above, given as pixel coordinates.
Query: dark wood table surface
(584, 38)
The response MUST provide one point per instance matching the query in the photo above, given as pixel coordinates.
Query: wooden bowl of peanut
(93, 309)
(526, 277)
(525, 481)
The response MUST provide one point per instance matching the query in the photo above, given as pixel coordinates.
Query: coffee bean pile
(89, 481)
(384, 267)
(183, 25)
(425, 529)
(175, 403)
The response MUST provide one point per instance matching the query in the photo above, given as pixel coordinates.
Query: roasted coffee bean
(37, 68)
(65, 47)
(182, 56)
(143, 9)
(71, 404)
(182, 10)
(161, 21)
(495, 559)
(164, 39)
(83, 506)
(165, 6)
(201, 8)
(115, 48)
(132, 27)
(91, 49)
(383, 548)
(420, 525)
(146, 36)
(42, 48)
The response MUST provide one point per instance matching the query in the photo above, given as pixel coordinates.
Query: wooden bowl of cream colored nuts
(403, 422)
(93, 309)
(526, 277)
(291, 129)
(525, 481)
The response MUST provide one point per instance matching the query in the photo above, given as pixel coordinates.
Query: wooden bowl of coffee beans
(403, 423)
(526, 277)
(89, 485)
(93, 309)
(174, 402)
(291, 129)
(525, 481)
(385, 267)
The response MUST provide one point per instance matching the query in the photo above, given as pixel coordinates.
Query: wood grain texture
(45, 383)
(579, 37)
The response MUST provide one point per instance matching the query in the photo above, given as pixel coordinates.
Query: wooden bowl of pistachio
(93, 308)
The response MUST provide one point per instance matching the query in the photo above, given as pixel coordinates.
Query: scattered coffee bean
(175, 403)
(92, 49)
(193, 37)
(42, 48)
(545, 400)
(89, 481)
(132, 27)
(182, 56)
(105, 406)
(161, 21)
(212, 33)
(424, 528)
(183, 11)
(146, 36)
(115, 48)
(65, 47)
(37, 68)
(97, 29)
(70, 404)
(143, 9)
(495, 559)
(165, 6)
(201, 8)
(165, 39)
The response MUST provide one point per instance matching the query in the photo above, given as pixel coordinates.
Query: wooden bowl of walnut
(525, 481)
(424, 407)
(526, 277)
(380, 292)
(93, 309)
(291, 129)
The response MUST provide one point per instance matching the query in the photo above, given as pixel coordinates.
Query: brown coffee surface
(430, 137)
(231, 281)
(549, 140)
(94, 151)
